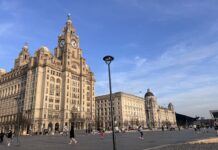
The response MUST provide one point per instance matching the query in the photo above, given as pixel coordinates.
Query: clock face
(73, 44)
(62, 42)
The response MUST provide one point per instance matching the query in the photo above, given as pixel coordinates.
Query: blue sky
(168, 46)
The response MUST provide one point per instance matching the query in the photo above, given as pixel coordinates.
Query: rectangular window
(50, 106)
(51, 100)
(52, 89)
(56, 107)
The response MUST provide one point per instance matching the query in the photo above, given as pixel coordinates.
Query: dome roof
(44, 49)
(25, 47)
(170, 104)
(149, 93)
(3, 70)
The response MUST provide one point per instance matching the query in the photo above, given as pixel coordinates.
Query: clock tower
(68, 49)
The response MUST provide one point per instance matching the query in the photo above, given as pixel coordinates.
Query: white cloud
(196, 101)
(139, 61)
(176, 75)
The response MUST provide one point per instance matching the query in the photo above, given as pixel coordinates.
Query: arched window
(6, 92)
(52, 79)
(12, 90)
(18, 88)
(58, 81)
(52, 89)
(15, 89)
(74, 66)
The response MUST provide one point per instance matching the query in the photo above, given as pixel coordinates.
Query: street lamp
(108, 60)
(18, 118)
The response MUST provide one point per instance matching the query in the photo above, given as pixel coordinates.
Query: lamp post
(18, 118)
(108, 60)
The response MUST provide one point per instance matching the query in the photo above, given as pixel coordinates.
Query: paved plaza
(125, 141)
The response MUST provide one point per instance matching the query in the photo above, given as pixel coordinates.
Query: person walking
(198, 128)
(2, 137)
(9, 136)
(101, 133)
(65, 131)
(216, 126)
(195, 127)
(207, 128)
(72, 135)
(141, 133)
(162, 128)
(179, 128)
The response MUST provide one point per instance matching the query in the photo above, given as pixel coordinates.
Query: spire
(23, 57)
(68, 30)
(69, 25)
(148, 90)
(69, 18)
(25, 46)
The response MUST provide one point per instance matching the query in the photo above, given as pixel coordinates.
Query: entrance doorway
(56, 127)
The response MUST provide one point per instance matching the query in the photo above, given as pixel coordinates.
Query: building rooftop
(120, 93)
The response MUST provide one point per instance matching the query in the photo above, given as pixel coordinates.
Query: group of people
(197, 128)
(9, 136)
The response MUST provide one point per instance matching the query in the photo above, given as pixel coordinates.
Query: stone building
(157, 116)
(51, 90)
(129, 111)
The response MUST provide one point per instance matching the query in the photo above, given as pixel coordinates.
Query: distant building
(157, 116)
(214, 113)
(129, 111)
(53, 90)
(184, 120)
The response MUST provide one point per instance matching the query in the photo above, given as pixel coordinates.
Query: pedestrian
(141, 133)
(65, 131)
(162, 128)
(207, 128)
(198, 128)
(72, 135)
(30, 131)
(101, 133)
(216, 126)
(2, 137)
(9, 136)
(195, 127)
(179, 128)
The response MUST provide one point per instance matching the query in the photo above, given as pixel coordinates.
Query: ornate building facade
(132, 111)
(129, 111)
(157, 116)
(51, 90)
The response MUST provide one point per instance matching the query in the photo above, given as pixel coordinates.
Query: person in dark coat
(9, 136)
(72, 135)
(1, 137)
(216, 126)
(162, 128)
